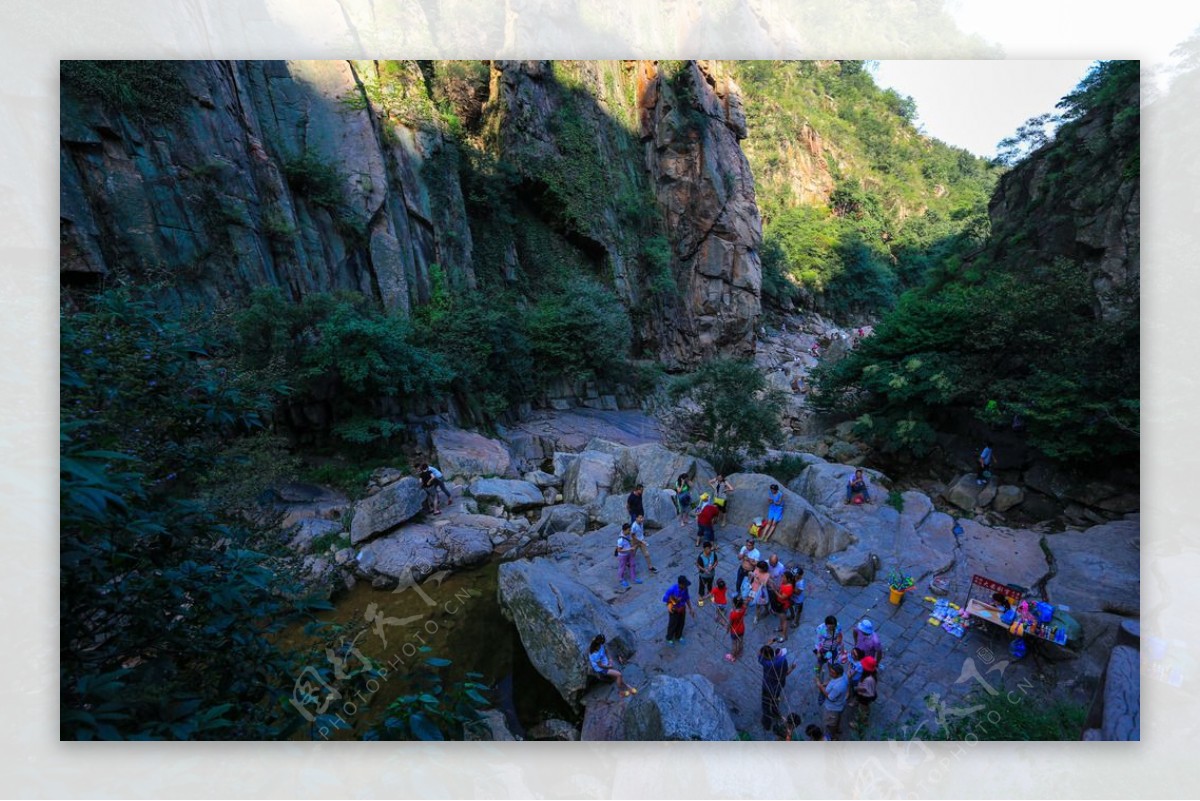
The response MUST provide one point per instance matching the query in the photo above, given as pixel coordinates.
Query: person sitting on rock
(774, 512)
(857, 485)
(604, 669)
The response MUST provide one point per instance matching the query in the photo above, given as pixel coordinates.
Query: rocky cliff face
(273, 173)
(1079, 198)
(349, 175)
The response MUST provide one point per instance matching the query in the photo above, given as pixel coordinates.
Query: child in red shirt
(720, 598)
(786, 589)
(737, 629)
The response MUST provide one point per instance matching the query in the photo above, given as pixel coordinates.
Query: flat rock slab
(513, 495)
(417, 551)
(1099, 570)
(465, 454)
(392, 506)
(666, 708)
(572, 430)
(1009, 556)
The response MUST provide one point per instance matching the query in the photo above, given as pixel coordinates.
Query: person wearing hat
(865, 693)
(679, 603)
(866, 639)
(705, 519)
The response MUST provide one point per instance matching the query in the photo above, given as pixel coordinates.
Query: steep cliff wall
(269, 173)
(360, 175)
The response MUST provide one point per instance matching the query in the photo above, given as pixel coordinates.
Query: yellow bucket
(895, 596)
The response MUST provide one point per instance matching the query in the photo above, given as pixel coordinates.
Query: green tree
(737, 414)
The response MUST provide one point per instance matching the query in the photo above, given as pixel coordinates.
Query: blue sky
(975, 104)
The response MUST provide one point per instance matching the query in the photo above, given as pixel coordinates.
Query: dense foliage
(896, 196)
(151, 90)
(1011, 327)
(166, 607)
(734, 412)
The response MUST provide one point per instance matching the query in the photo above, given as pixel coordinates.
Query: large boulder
(803, 528)
(659, 468)
(1099, 570)
(561, 519)
(309, 530)
(658, 503)
(589, 478)
(964, 492)
(415, 552)
(557, 618)
(824, 485)
(392, 506)
(465, 454)
(665, 708)
(513, 495)
(1007, 496)
(1006, 555)
(917, 541)
(542, 479)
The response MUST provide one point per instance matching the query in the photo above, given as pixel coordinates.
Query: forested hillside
(856, 203)
(1035, 325)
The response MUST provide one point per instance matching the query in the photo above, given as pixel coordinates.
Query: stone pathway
(920, 661)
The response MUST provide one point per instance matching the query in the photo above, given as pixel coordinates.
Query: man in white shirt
(748, 557)
(439, 480)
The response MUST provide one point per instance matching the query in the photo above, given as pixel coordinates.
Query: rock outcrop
(667, 708)
(416, 552)
(513, 496)
(465, 454)
(387, 509)
(557, 618)
(803, 528)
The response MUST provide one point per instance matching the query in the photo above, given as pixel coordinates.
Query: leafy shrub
(151, 90)
(738, 414)
(310, 177)
(166, 608)
(580, 331)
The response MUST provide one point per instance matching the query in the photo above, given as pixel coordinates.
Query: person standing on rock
(836, 691)
(438, 479)
(775, 569)
(828, 647)
(775, 670)
(637, 531)
(865, 693)
(429, 485)
(774, 512)
(706, 563)
(626, 567)
(634, 503)
(984, 465)
(679, 603)
(748, 557)
(867, 640)
(705, 520)
(737, 630)
(721, 489)
(683, 498)
(797, 608)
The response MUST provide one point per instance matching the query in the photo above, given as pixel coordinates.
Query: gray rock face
(465, 454)
(824, 485)
(802, 528)
(310, 529)
(1007, 496)
(964, 492)
(666, 708)
(415, 552)
(542, 479)
(658, 504)
(561, 519)
(1099, 570)
(1010, 556)
(589, 478)
(1122, 696)
(557, 618)
(515, 496)
(562, 461)
(385, 510)
(554, 729)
